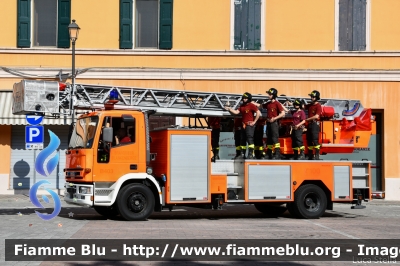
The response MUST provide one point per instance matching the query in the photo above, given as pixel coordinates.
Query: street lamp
(73, 35)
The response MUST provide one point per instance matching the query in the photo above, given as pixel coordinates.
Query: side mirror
(108, 134)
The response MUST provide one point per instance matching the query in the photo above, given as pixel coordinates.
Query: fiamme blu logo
(45, 165)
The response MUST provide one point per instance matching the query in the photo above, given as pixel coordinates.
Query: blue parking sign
(34, 134)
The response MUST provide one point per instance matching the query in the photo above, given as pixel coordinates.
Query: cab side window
(124, 133)
(124, 130)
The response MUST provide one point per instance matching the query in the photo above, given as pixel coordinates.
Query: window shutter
(244, 19)
(238, 28)
(345, 25)
(64, 19)
(166, 15)
(359, 25)
(247, 25)
(125, 24)
(254, 33)
(24, 24)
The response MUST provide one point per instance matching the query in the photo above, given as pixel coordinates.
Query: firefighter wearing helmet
(299, 119)
(275, 111)
(215, 125)
(250, 115)
(314, 112)
(237, 124)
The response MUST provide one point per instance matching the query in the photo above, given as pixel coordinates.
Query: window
(84, 132)
(352, 25)
(247, 31)
(124, 134)
(48, 22)
(152, 24)
(146, 23)
(44, 23)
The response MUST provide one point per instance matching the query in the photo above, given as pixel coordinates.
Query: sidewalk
(23, 201)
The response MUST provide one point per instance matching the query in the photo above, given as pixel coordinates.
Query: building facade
(346, 49)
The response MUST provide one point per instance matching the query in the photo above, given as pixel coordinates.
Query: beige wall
(206, 24)
(385, 25)
(8, 19)
(99, 23)
(87, 59)
(201, 25)
(5, 150)
(300, 25)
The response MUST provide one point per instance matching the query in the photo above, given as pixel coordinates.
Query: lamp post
(73, 35)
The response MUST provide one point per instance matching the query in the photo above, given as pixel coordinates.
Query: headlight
(149, 170)
(85, 190)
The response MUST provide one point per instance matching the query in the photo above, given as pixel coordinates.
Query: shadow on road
(229, 212)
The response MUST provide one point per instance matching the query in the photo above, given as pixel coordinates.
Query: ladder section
(34, 96)
(188, 103)
(164, 102)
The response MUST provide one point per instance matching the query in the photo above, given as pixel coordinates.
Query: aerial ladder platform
(345, 124)
(52, 98)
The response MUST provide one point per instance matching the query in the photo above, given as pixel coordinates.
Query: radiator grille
(102, 192)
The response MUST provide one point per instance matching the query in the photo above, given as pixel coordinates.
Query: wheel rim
(312, 202)
(137, 202)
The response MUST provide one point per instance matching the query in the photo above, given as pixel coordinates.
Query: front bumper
(72, 195)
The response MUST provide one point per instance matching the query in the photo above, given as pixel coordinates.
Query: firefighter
(299, 119)
(215, 124)
(122, 136)
(258, 139)
(248, 110)
(314, 112)
(275, 111)
(237, 135)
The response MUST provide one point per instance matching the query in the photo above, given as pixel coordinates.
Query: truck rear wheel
(309, 202)
(106, 211)
(270, 209)
(135, 202)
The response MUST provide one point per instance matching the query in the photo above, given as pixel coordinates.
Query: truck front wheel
(135, 202)
(309, 202)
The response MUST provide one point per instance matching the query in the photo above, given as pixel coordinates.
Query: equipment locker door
(189, 167)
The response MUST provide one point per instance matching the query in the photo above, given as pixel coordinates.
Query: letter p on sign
(34, 134)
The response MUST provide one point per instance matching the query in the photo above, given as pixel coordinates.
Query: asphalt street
(379, 220)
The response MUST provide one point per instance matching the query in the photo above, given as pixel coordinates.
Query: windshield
(83, 135)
